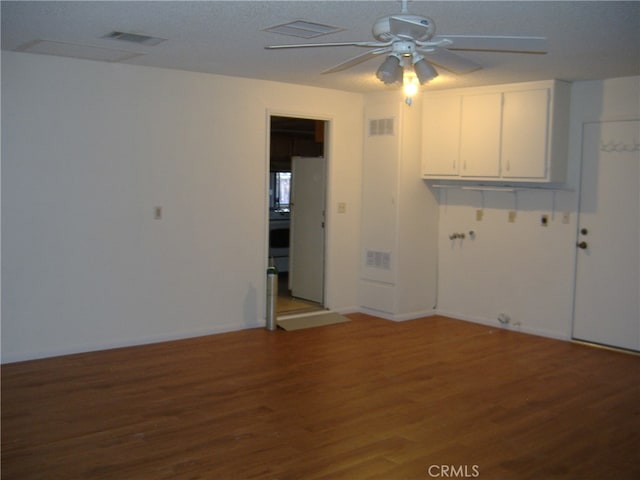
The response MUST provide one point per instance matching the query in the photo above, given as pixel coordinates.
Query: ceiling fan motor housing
(416, 27)
(404, 48)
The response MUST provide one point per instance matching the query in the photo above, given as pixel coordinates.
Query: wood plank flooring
(367, 399)
(288, 304)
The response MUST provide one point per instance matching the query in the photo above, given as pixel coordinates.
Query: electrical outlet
(512, 216)
(479, 215)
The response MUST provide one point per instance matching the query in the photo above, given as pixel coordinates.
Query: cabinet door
(525, 129)
(480, 135)
(441, 136)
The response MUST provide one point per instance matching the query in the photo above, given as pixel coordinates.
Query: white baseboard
(224, 328)
(346, 310)
(492, 322)
(403, 317)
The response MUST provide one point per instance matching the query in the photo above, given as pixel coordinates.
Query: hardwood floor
(367, 399)
(287, 304)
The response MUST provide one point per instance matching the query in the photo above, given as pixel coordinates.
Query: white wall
(89, 149)
(523, 269)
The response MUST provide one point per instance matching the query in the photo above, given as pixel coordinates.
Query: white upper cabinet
(510, 133)
(525, 125)
(441, 135)
(480, 135)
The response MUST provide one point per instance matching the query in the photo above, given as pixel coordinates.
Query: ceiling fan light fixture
(407, 39)
(424, 71)
(390, 71)
(410, 84)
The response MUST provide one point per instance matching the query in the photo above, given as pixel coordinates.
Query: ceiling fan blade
(358, 59)
(410, 29)
(451, 61)
(496, 43)
(336, 44)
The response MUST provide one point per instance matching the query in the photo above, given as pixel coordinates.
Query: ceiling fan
(409, 41)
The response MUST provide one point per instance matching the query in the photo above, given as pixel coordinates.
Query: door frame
(328, 120)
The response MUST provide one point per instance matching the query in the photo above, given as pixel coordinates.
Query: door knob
(583, 245)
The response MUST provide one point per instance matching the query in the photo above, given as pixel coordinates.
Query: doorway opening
(296, 211)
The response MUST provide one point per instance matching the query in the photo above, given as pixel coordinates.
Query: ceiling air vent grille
(72, 50)
(303, 29)
(134, 38)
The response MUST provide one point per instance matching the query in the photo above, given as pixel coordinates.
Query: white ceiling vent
(303, 29)
(135, 38)
(86, 52)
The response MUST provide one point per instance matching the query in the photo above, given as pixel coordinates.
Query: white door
(306, 252)
(608, 263)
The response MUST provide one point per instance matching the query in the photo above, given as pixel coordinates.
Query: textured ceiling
(587, 40)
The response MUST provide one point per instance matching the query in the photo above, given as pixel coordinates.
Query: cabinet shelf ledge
(500, 188)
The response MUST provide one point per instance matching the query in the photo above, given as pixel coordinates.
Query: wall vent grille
(377, 259)
(381, 126)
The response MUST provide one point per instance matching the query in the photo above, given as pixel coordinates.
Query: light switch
(342, 207)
